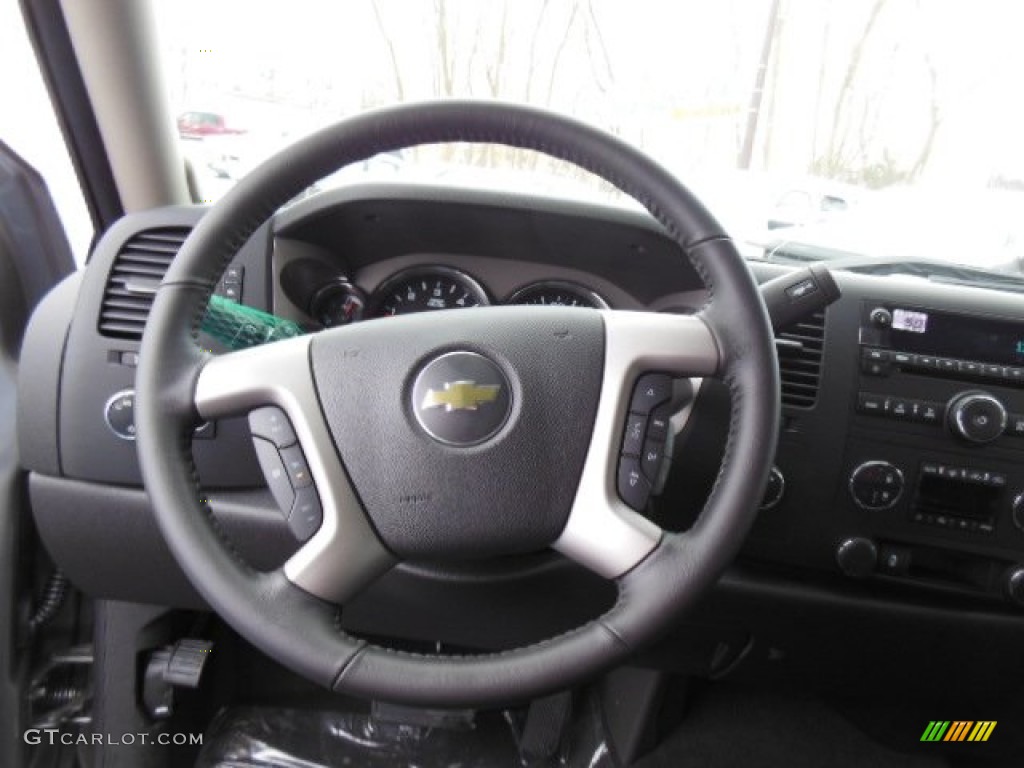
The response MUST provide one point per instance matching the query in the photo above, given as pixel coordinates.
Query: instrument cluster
(430, 288)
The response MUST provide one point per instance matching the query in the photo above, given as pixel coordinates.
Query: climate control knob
(774, 490)
(876, 485)
(977, 417)
(1015, 585)
(857, 557)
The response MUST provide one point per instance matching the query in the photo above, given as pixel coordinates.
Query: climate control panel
(876, 485)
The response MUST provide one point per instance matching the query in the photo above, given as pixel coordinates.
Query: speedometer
(423, 289)
(557, 293)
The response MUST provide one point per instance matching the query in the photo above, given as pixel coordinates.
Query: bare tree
(395, 70)
(935, 121)
(757, 93)
(839, 131)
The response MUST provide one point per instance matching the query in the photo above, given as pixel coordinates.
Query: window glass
(32, 131)
(880, 115)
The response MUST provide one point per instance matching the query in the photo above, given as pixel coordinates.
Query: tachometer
(557, 293)
(423, 289)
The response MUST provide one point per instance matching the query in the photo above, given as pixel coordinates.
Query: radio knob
(876, 485)
(1015, 584)
(881, 317)
(977, 417)
(857, 557)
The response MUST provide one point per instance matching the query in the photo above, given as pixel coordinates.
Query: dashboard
(900, 462)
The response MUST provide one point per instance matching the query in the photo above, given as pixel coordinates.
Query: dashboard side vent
(138, 269)
(800, 348)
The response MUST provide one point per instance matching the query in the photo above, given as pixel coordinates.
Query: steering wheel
(462, 434)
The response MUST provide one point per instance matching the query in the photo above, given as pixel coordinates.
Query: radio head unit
(917, 331)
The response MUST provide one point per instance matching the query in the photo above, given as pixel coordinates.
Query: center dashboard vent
(138, 268)
(800, 348)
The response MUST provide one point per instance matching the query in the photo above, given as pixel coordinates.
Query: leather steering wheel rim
(301, 630)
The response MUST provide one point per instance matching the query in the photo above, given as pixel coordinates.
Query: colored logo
(958, 730)
(461, 396)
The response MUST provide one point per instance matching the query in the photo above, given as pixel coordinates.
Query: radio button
(877, 355)
(1015, 374)
(902, 358)
(931, 412)
(898, 407)
(869, 403)
(1015, 425)
(994, 371)
(875, 368)
(968, 367)
(875, 362)
(946, 364)
(924, 361)
(976, 476)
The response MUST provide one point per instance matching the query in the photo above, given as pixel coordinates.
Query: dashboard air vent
(800, 349)
(138, 268)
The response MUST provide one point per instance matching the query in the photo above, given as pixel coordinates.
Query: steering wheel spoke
(603, 533)
(344, 554)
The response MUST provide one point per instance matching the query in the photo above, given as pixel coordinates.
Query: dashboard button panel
(230, 285)
(876, 361)
(286, 471)
(900, 408)
(643, 450)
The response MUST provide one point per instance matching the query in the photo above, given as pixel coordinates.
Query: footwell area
(274, 738)
(697, 725)
(728, 727)
(256, 737)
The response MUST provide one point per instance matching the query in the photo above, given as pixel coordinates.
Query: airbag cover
(509, 486)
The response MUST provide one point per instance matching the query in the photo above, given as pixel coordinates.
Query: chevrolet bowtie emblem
(460, 396)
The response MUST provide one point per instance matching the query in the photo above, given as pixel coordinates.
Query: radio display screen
(965, 338)
(940, 496)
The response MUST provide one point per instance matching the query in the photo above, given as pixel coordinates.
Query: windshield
(883, 128)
